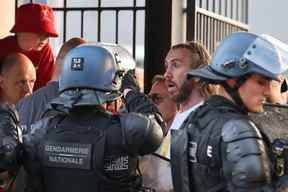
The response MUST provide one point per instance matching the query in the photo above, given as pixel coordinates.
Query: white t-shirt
(180, 117)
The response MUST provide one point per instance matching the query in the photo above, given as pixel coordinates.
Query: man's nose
(168, 73)
(268, 89)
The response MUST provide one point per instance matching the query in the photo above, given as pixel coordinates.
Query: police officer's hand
(129, 81)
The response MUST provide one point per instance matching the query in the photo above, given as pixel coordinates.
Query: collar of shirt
(181, 116)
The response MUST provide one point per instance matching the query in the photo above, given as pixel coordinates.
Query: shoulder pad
(10, 110)
(10, 132)
(10, 137)
(142, 133)
(245, 161)
(239, 129)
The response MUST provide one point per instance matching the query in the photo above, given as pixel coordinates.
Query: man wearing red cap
(34, 25)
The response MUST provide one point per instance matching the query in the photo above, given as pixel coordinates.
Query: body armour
(274, 122)
(83, 148)
(223, 150)
(88, 150)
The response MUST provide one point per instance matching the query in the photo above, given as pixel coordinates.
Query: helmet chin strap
(234, 93)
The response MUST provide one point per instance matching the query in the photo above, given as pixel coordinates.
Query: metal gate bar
(209, 24)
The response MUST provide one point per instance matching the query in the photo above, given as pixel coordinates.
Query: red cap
(35, 18)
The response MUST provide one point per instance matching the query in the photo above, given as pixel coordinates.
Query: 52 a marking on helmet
(77, 64)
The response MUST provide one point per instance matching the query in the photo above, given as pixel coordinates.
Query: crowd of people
(82, 122)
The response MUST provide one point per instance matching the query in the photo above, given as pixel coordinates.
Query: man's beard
(184, 92)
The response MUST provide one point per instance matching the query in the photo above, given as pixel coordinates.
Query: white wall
(177, 26)
(7, 16)
(270, 17)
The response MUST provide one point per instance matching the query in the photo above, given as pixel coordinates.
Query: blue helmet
(96, 71)
(244, 53)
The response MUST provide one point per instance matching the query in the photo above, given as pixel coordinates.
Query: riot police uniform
(78, 145)
(218, 147)
(223, 127)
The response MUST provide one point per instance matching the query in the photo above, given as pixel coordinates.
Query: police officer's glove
(10, 134)
(129, 81)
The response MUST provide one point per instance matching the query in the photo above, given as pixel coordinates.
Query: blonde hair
(200, 57)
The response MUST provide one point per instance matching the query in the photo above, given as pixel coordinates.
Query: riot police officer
(80, 145)
(219, 148)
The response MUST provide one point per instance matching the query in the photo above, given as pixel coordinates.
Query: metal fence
(144, 26)
(101, 20)
(209, 21)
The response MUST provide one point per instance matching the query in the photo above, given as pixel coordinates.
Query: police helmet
(244, 53)
(95, 67)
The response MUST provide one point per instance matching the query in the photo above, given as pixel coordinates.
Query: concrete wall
(7, 15)
(270, 17)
